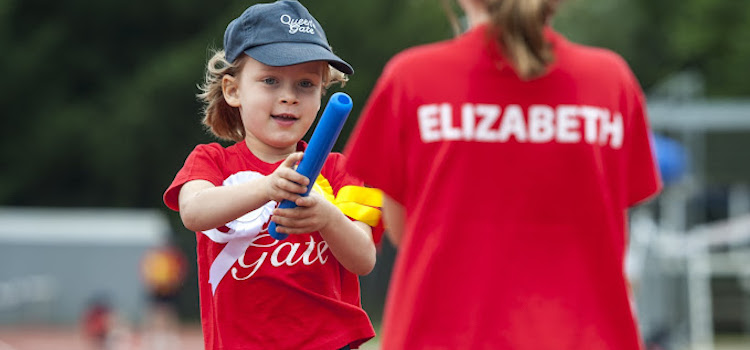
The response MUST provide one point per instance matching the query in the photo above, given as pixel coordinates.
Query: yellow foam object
(359, 203)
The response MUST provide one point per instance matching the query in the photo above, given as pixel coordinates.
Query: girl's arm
(350, 241)
(393, 219)
(204, 206)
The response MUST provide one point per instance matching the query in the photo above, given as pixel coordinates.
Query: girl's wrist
(265, 184)
(334, 215)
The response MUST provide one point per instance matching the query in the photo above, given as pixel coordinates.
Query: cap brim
(289, 53)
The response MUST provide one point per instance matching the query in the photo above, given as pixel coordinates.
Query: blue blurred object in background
(671, 157)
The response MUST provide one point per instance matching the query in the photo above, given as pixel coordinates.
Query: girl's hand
(285, 182)
(313, 213)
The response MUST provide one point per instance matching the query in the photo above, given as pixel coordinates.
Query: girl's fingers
(292, 213)
(291, 223)
(282, 214)
(284, 189)
(305, 201)
(297, 220)
(293, 186)
(292, 159)
(293, 176)
(292, 231)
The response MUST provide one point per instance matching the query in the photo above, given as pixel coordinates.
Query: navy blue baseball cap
(280, 33)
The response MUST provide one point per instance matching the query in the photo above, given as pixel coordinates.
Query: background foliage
(98, 97)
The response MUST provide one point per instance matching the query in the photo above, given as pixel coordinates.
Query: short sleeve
(201, 164)
(375, 148)
(335, 170)
(643, 178)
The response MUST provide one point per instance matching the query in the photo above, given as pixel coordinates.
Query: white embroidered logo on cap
(298, 25)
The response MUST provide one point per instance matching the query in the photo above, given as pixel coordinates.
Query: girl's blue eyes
(274, 81)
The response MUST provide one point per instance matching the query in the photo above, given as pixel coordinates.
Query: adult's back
(513, 192)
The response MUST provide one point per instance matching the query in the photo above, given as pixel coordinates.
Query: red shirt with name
(515, 195)
(290, 294)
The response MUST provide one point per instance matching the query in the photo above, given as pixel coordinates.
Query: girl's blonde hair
(223, 120)
(518, 26)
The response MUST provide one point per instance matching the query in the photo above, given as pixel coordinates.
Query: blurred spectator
(163, 270)
(97, 322)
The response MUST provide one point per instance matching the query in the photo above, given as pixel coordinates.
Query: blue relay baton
(321, 143)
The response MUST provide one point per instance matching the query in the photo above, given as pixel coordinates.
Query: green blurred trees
(665, 37)
(99, 101)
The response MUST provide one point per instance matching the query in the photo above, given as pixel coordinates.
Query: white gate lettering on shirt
(284, 254)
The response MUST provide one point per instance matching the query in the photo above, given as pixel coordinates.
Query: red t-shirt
(290, 294)
(515, 195)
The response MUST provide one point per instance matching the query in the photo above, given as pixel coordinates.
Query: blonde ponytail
(519, 27)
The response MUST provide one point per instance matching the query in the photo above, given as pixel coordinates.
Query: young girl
(509, 176)
(264, 91)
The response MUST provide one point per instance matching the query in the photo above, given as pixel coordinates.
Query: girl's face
(277, 104)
